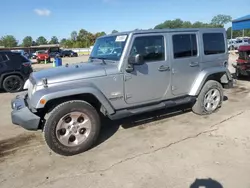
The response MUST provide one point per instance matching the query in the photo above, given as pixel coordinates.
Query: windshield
(109, 48)
(41, 52)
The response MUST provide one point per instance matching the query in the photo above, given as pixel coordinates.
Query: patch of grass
(83, 53)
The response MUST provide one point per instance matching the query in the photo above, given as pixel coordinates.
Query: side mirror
(136, 60)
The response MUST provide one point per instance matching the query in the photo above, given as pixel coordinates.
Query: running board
(149, 108)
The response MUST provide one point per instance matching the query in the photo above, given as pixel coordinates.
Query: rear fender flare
(203, 76)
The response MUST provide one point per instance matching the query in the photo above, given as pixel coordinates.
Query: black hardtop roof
(5, 51)
(167, 31)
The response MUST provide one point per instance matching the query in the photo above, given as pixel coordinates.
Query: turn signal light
(42, 101)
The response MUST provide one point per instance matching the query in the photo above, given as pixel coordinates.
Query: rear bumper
(43, 59)
(21, 114)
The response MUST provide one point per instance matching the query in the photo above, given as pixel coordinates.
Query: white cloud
(42, 12)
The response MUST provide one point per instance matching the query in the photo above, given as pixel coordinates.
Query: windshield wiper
(101, 58)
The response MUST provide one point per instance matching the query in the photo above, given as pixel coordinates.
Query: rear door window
(214, 43)
(185, 45)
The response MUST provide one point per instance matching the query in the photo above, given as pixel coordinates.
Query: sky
(60, 17)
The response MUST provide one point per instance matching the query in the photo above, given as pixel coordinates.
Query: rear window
(41, 52)
(213, 43)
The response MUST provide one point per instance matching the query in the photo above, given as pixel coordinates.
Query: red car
(242, 66)
(42, 55)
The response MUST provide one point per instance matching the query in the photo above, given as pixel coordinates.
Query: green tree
(178, 23)
(99, 34)
(171, 24)
(27, 41)
(41, 40)
(54, 40)
(198, 25)
(114, 31)
(221, 20)
(73, 36)
(34, 43)
(63, 42)
(68, 43)
(187, 24)
(9, 41)
(238, 33)
(82, 38)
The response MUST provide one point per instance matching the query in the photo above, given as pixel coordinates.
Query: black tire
(199, 107)
(38, 61)
(13, 83)
(57, 113)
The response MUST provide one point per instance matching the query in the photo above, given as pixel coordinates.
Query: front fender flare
(70, 92)
(203, 75)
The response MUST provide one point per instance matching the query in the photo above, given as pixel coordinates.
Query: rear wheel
(72, 128)
(209, 99)
(13, 83)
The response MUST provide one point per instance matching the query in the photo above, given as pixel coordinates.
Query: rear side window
(23, 59)
(150, 47)
(185, 45)
(213, 43)
(20, 58)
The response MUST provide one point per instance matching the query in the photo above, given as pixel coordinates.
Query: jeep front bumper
(21, 114)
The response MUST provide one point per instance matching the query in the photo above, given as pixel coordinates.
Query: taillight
(27, 64)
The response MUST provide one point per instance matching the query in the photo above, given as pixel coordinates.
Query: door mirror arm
(134, 60)
(129, 68)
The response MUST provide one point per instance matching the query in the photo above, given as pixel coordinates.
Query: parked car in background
(14, 71)
(242, 66)
(42, 55)
(33, 55)
(68, 53)
(137, 72)
(241, 41)
(54, 54)
(231, 44)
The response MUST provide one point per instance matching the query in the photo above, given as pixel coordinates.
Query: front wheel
(209, 99)
(72, 128)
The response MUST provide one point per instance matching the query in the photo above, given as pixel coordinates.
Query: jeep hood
(69, 73)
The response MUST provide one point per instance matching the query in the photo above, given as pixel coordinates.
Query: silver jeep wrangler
(127, 74)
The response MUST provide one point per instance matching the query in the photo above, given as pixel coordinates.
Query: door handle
(164, 68)
(194, 64)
